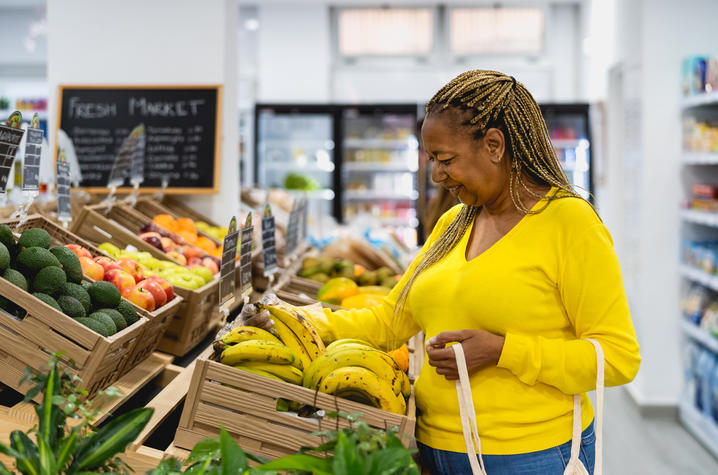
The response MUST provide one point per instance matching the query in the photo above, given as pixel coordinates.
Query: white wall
(158, 42)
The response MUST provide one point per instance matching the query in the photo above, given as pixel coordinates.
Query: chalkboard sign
(292, 240)
(269, 245)
(226, 271)
(10, 137)
(64, 208)
(181, 125)
(245, 257)
(31, 163)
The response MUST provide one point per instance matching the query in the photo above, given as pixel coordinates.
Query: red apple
(107, 263)
(92, 269)
(210, 264)
(133, 268)
(156, 290)
(168, 244)
(152, 238)
(119, 279)
(191, 251)
(178, 257)
(194, 261)
(140, 297)
(79, 250)
(166, 286)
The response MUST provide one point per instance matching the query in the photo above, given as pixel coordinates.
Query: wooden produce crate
(150, 208)
(245, 405)
(157, 321)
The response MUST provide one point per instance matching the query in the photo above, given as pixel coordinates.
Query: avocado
(69, 261)
(15, 278)
(49, 280)
(106, 320)
(116, 317)
(6, 236)
(4, 257)
(104, 295)
(85, 284)
(95, 325)
(71, 306)
(367, 277)
(128, 312)
(320, 277)
(383, 273)
(77, 291)
(33, 259)
(34, 237)
(48, 300)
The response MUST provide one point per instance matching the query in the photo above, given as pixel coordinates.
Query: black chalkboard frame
(170, 189)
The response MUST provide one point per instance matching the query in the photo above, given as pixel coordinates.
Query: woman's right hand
(252, 316)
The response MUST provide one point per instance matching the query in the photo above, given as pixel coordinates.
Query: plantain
(290, 339)
(300, 325)
(287, 373)
(243, 333)
(260, 351)
(350, 380)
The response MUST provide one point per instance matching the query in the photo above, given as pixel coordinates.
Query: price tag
(33, 149)
(303, 221)
(64, 208)
(292, 230)
(226, 272)
(245, 257)
(137, 168)
(123, 161)
(10, 137)
(269, 245)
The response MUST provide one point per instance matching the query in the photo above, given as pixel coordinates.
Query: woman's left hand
(481, 349)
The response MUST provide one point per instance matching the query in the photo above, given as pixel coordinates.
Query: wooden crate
(178, 208)
(157, 321)
(198, 314)
(245, 405)
(150, 208)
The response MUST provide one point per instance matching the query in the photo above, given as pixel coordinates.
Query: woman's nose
(437, 175)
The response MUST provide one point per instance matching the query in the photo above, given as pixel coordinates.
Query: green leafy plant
(80, 448)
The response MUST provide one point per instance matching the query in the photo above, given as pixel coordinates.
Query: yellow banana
(300, 326)
(287, 373)
(405, 385)
(345, 341)
(354, 379)
(369, 359)
(260, 350)
(259, 372)
(240, 334)
(290, 339)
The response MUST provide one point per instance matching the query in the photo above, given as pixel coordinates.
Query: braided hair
(495, 100)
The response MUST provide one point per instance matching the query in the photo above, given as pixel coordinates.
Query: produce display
(295, 353)
(54, 276)
(323, 269)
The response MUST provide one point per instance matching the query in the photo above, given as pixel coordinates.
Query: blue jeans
(544, 462)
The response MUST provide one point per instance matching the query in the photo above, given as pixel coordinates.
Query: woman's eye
(447, 161)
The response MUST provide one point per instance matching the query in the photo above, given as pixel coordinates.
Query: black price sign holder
(137, 166)
(245, 259)
(64, 207)
(226, 271)
(269, 245)
(292, 241)
(31, 167)
(10, 136)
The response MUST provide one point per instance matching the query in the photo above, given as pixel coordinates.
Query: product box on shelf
(157, 320)
(198, 314)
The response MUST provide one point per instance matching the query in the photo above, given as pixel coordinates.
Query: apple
(133, 268)
(79, 250)
(107, 263)
(168, 244)
(210, 264)
(194, 261)
(141, 297)
(156, 290)
(152, 238)
(91, 269)
(183, 280)
(110, 249)
(191, 251)
(119, 279)
(166, 286)
(202, 272)
(178, 257)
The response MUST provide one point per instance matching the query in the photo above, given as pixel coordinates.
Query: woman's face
(474, 171)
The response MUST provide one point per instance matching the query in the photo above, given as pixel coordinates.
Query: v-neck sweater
(547, 285)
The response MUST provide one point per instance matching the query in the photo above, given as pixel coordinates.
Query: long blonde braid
(496, 100)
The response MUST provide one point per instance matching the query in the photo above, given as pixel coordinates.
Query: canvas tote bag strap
(576, 438)
(467, 413)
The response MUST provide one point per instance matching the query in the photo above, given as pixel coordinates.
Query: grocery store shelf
(698, 158)
(700, 425)
(700, 100)
(562, 143)
(378, 143)
(310, 167)
(701, 336)
(699, 276)
(380, 167)
(358, 195)
(298, 143)
(26, 114)
(700, 217)
(323, 194)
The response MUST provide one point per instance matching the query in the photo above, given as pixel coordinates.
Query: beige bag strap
(467, 413)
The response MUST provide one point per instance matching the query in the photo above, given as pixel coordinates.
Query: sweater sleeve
(591, 289)
(378, 325)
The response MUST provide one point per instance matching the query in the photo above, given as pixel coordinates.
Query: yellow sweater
(547, 285)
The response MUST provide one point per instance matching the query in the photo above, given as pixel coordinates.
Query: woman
(522, 272)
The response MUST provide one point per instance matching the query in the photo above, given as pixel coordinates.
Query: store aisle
(652, 446)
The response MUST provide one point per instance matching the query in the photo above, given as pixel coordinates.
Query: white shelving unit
(698, 334)
(381, 144)
(380, 167)
(700, 277)
(699, 158)
(700, 217)
(703, 428)
(357, 195)
(700, 100)
(310, 167)
(566, 143)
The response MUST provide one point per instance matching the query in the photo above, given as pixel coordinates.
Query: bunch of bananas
(283, 356)
(355, 370)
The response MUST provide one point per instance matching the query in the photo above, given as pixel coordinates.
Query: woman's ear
(495, 144)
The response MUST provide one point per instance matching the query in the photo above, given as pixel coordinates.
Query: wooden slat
(33, 328)
(198, 376)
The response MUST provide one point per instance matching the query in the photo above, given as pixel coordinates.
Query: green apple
(199, 280)
(203, 272)
(109, 249)
(182, 281)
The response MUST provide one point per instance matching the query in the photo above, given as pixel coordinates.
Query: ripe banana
(355, 379)
(363, 358)
(261, 351)
(290, 339)
(287, 373)
(300, 325)
(345, 341)
(240, 334)
(259, 372)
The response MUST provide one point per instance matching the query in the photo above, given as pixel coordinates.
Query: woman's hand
(481, 349)
(251, 316)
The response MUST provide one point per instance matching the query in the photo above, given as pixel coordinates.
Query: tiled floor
(634, 445)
